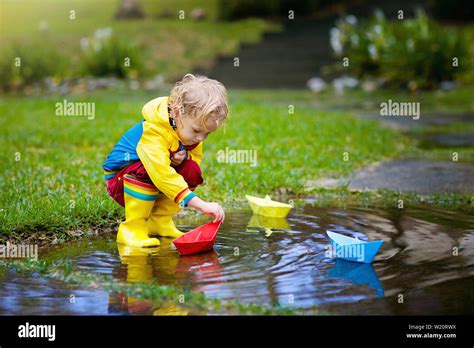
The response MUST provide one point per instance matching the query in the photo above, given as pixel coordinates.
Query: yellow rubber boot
(139, 200)
(161, 222)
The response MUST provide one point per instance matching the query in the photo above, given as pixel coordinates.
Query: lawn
(52, 180)
(168, 45)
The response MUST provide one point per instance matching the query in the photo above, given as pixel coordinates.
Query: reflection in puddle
(427, 255)
(357, 273)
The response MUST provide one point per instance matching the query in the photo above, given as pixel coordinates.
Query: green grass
(169, 45)
(52, 180)
(88, 14)
(386, 199)
(455, 101)
(458, 101)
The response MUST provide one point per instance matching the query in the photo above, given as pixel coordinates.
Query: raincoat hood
(156, 112)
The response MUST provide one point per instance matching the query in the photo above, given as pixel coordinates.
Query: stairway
(288, 59)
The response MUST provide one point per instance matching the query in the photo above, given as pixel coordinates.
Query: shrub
(105, 54)
(22, 65)
(415, 53)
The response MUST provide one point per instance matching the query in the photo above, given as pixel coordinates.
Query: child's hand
(178, 158)
(214, 210)
(209, 208)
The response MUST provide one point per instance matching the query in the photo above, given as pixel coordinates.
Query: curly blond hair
(200, 98)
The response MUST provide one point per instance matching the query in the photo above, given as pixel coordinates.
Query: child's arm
(209, 208)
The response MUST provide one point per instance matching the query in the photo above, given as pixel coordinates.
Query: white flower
(344, 81)
(377, 29)
(372, 51)
(355, 39)
(316, 84)
(349, 82)
(335, 40)
(103, 33)
(379, 14)
(84, 43)
(351, 19)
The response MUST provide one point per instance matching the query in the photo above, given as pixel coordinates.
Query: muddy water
(425, 266)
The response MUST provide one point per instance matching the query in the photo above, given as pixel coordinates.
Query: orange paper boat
(199, 240)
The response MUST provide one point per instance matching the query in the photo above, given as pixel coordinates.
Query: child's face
(191, 132)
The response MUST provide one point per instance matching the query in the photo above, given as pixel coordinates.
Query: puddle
(280, 262)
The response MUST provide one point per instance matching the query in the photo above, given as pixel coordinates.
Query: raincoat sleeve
(153, 152)
(196, 154)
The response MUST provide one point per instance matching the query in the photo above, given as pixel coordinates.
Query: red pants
(189, 170)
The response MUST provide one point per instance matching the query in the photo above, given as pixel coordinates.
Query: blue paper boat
(353, 249)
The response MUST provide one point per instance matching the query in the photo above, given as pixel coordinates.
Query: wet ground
(433, 141)
(420, 176)
(427, 119)
(427, 257)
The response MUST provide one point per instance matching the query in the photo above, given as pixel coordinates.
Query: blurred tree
(130, 9)
(459, 10)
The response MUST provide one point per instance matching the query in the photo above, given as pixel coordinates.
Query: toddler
(154, 168)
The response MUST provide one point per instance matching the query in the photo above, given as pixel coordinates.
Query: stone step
(291, 57)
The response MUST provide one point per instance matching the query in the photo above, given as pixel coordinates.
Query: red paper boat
(199, 240)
